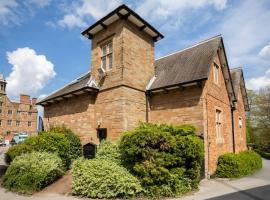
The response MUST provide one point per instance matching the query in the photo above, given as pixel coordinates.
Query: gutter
(233, 136)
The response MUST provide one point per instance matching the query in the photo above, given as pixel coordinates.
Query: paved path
(254, 187)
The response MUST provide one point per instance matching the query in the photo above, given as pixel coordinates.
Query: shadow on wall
(176, 99)
(73, 105)
(258, 193)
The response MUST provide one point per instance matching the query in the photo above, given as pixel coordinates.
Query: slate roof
(185, 66)
(77, 85)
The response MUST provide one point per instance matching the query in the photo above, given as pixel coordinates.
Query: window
(240, 126)
(219, 127)
(18, 112)
(8, 132)
(29, 123)
(17, 123)
(1, 103)
(107, 56)
(0, 110)
(9, 112)
(0, 122)
(29, 113)
(9, 122)
(216, 73)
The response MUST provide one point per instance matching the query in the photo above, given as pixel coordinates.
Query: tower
(3, 84)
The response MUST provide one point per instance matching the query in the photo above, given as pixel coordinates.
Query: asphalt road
(254, 187)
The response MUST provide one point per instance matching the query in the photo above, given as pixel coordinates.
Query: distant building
(127, 85)
(16, 117)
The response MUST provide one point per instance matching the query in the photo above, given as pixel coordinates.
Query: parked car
(20, 137)
(2, 143)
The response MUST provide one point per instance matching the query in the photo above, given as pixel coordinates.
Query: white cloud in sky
(265, 52)
(160, 9)
(259, 82)
(6, 11)
(78, 13)
(30, 72)
(41, 3)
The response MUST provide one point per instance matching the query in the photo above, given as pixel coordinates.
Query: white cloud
(7, 11)
(176, 9)
(30, 72)
(265, 52)
(41, 3)
(78, 14)
(259, 82)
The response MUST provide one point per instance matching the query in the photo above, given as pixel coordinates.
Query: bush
(32, 171)
(166, 159)
(263, 154)
(101, 178)
(75, 142)
(15, 151)
(48, 142)
(108, 150)
(232, 165)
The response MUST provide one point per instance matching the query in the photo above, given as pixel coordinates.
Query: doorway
(102, 134)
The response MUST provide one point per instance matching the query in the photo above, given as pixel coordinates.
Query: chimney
(25, 99)
(34, 101)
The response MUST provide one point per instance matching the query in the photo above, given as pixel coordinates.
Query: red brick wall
(216, 97)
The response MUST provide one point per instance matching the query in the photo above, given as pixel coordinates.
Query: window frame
(218, 126)
(9, 122)
(216, 73)
(18, 123)
(107, 55)
(29, 124)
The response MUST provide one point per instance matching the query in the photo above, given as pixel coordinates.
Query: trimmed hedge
(109, 150)
(31, 172)
(232, 165)
(101, 178)
(166, 159)
(15, 151)
(75, 150)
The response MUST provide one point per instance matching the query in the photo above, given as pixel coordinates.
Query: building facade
(16, 117)
(127, 85)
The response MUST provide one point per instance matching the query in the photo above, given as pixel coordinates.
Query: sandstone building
(127, 85)
(16, 117)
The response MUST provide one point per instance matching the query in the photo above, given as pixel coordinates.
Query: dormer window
(216, 73)
(107, 56)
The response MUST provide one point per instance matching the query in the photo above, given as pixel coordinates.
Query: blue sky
(41, 48)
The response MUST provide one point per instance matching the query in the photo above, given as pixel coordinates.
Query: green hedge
(101, 178)
(58, 140)
(75, 142)
(166, 159)
(108, 150)
(232, 165)
(48, 142)
(263, 154)
(31, 172)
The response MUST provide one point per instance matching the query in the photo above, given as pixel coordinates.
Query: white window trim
(107, 54)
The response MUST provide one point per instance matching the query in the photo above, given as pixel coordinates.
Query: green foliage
(263, 154)
(15, 151)
(75, 142)
(101, 178)
(53, 143)
(165, 158)
(108, 150)
(31, 172)
(232, 165)
(48, 142)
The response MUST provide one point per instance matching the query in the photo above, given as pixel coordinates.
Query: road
(254, 187)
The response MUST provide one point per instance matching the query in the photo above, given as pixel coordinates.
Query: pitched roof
(239, 84)
(185, 66)
(122, 12)
(83, 83)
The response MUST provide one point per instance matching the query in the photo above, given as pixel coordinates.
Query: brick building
(16, 117)
(127, 85)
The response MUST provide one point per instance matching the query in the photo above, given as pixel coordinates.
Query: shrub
(232, 165)
(15, 151)
(49, 142)
(166, 159)
(101, 178)
(108, 150)
(75, 142)
(32, 171)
